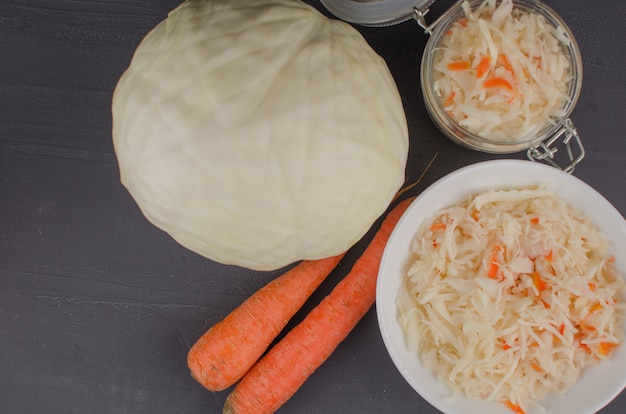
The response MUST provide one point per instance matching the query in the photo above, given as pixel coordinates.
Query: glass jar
(375, 13)
(540, 146)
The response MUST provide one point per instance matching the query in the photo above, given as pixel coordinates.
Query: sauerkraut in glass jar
(498, 76)
(502, 77)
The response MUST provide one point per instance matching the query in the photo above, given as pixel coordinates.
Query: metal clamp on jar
(544, 136)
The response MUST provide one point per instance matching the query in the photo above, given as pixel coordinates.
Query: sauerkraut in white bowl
(511, 264)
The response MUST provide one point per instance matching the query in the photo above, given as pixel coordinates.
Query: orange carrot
(493, 263)
(450, 99)
(516, 408)
(497, 82)
(605, 347)
(474, 215)
(281, 372)
(595, 307)
(585, 347)
(538, 281)
(504, 62)
(227, 350)
(483, 66)
(437, 225)
(586, 327)
(456, 66)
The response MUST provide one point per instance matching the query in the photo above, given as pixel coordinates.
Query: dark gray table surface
(98, 308)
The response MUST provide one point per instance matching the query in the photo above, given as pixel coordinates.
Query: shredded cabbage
(510, 294)
(501, 72)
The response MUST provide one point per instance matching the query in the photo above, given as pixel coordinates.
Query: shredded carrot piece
(463, 21)
(504, 62)
(536, 367)
(438, 225)
(498, 82)
(539, 283)
(605, 347)
(591, 286)
(595, 307)
(586, 327)
(562, 328)
(493, 264)
(450, 100)
(483, 66)
(505, 346)
(545, 304)
(474, 215)
(611, 259)
(457, 66)
(585, 347)
(534, 220)
(550, 257)
(516, 408)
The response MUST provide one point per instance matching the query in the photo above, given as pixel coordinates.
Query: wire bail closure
(545, 151)
(419, 15)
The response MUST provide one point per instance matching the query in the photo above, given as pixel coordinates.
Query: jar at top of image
(497, 76)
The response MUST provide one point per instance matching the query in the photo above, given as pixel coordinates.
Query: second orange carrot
(281, 372)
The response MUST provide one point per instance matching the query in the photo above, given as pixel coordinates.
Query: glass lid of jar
(375, 12)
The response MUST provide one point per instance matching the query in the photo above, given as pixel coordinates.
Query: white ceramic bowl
(598, 385)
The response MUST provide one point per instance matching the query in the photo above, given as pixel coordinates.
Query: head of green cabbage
(259, 134)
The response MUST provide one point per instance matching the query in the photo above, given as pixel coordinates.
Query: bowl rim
(453, 187)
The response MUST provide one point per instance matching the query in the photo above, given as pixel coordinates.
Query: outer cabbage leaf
(259, 133)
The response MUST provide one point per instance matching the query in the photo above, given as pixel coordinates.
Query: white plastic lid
(374, 12)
